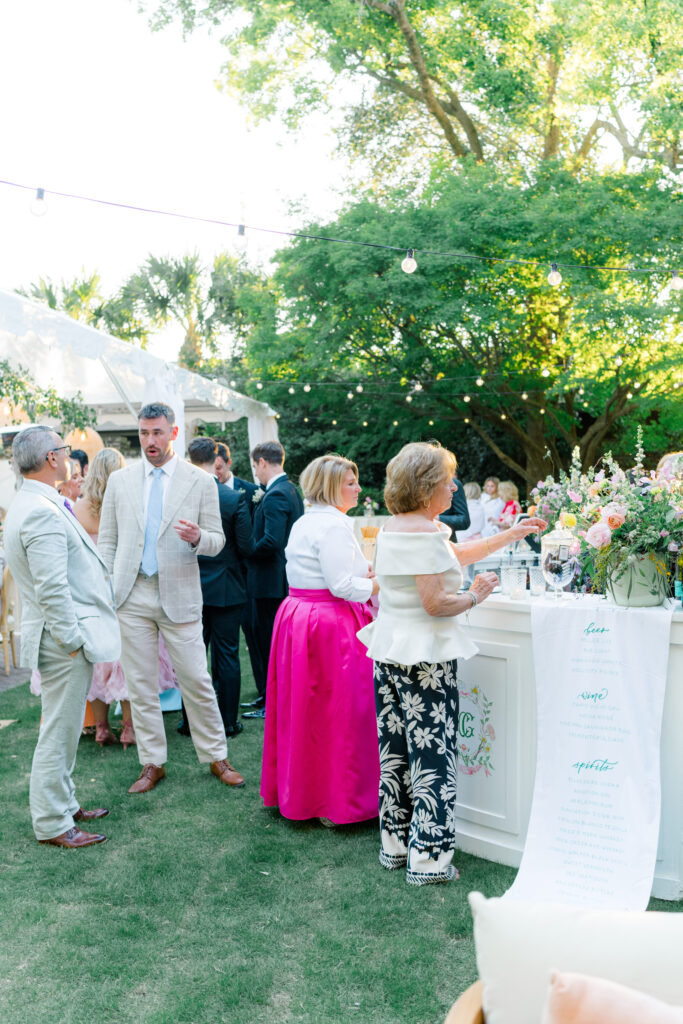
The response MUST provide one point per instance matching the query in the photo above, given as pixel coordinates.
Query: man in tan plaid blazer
(152, 555)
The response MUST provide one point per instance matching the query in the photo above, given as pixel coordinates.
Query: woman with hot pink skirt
(320, 757)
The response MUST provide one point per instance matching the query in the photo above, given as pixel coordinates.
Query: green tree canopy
(558, 367)
(513, 82)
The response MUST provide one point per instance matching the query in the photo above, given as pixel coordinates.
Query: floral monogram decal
(476, 735)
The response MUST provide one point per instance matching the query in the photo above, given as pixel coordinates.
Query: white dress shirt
(323, 554)
(168, 471)
(477, 521)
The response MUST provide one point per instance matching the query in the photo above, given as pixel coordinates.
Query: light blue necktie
(149, 563)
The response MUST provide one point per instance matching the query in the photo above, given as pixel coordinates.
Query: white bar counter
(497, 741)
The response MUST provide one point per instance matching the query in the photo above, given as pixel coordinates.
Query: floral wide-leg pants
(417, 718)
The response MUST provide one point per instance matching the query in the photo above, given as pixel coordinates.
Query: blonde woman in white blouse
(320, 755)
(415, 643)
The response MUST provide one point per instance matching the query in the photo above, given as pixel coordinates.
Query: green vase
(642, 585)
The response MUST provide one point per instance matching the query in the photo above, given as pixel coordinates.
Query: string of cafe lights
(408, 264)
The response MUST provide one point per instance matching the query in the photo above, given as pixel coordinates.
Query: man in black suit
(457, 517)
(275, 512)
(225, 475)
(223, 588)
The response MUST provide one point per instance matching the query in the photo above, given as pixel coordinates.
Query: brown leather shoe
(74, 838)
(82, 815)
(148, 778)
(226, 773)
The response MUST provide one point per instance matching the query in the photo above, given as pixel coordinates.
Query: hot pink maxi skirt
(320, 754)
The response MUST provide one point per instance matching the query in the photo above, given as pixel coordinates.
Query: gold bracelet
(488, 549)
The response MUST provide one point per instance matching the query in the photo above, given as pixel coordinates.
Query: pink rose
(574, 496)
(663, 533)
(598, 535)
(614, 520)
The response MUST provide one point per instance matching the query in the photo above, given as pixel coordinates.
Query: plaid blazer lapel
(179, 485)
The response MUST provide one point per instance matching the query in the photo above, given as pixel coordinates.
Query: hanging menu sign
(600, 680)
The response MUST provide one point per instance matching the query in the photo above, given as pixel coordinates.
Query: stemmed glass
(558, 562)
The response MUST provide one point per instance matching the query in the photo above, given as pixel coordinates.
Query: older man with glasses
(68, 624)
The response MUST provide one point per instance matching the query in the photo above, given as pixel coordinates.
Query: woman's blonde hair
(102, 466)
(414, 474)
(493, 479)
(508, 491)
(321, 481)
(472, 491)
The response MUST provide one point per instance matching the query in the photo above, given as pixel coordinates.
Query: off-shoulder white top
(403, 633)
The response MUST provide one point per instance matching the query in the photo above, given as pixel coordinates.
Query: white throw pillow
(519, 944)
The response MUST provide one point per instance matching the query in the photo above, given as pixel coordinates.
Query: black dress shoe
(258, 713)
(260, 702)
(184, 729)
(234, 730)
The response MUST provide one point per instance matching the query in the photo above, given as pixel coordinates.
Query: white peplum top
(403, 633)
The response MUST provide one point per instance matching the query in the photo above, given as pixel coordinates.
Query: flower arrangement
(618, 517)
(370, 507)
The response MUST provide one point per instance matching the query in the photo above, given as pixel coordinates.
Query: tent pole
(118, 387)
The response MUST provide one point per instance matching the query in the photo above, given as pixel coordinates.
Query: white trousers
(65, 683)
(142, 618)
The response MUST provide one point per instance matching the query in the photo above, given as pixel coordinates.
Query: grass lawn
(204, 907)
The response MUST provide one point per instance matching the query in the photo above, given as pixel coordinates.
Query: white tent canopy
(115, 377)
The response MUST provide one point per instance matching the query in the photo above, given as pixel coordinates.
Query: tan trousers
(65, 683)
(141, 618)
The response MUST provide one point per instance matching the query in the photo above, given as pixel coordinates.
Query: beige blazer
(64, 584)
(191, 494)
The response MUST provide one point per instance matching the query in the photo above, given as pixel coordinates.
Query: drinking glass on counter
(536, 581)
(513, 581)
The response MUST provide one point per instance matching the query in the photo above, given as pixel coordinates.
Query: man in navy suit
(274, 515)
(223, 588)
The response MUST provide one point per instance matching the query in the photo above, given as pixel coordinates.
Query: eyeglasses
(62, 448)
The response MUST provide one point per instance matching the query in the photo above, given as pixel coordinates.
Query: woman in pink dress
(320, 756)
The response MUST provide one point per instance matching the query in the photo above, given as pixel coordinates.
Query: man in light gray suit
(68, 622)
(152, 554)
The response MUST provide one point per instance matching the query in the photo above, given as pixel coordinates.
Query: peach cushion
(580, 999)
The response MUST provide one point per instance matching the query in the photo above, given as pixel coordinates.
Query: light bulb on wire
(259, 386)
(554, 277)
(359, 388)
(291, 390)
(524, 396)
(349, 394)
(307, 387)
(38, 205)
(618, 361)
(409, 264)
(467, 398)
(480, 382)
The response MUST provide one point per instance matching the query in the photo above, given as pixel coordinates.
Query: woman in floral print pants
(415, 643)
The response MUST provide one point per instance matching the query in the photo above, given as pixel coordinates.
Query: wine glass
(558, 562)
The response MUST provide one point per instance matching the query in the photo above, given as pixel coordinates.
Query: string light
(233, 383)
(259, 386)
(409, 264)
(307, 387)
(431, 423)
(334, 423)
(349, 394)
(618, 361)
(545, 372)
(359, 388)
(466, 420)
(629, 394)
(524, 396)
(418, 386)
(305, 419)
(554, 277)
(467, 398)
(39, 206)
(365, 423)
(291, 390)
(503, 416)
(677, 282)
(581, 391)
(409, 398)
(480, 382)
(637, 384)
(395, 423)
(541, 411)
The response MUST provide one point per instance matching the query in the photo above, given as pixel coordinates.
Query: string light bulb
(232, 383)
(541, 411)
(503, 416)
(677, 282)
(480, 382)
(365, 423)
(409, 398)
(349, 394)
(545, 372)
(307, 387)
(409, 264)
(418, 386)
(305, 419)
(524, 396)
(637, 385)
(629, 394)
(359, 388)
(431, 423)
(395, 423)
(259, 386)
(38, 204)
(291, 390)
(554, 277)
(466, 420)
(467, 398)
(618, 361)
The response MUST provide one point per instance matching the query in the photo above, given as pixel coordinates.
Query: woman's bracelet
(474, 598)
(488, 549)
